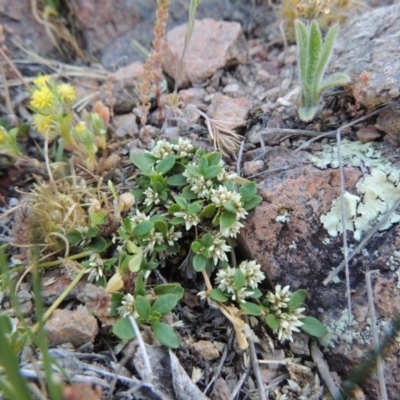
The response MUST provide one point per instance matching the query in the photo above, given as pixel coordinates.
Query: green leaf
(127, 224)
(143, 228)
(131, 247)
(203, 165)
(123, 329)
(306, 114)
(214, 158)
(325, 54)
(194, 208)
(170, 288)
(165, 303)
(212, 172)
(177, 180)
(255, 201)
(144, 161)
(207, 240)
(165, 165)
(74, 237)
(331, 81)
(9, 361)
(93, 231)
(182, 203)
(174, 208)
(97, 218)
(229, 206)
(193, 171)
(176, 221)
(302, 44)
(135, 262)
(199, 262)
(218, 295)
(239, 279)
(257, 293)
(139, 284)
(314, 52)
(227, 219)
(208, 211)
(297, 299)
(196, 246)
(166, 335)
(251, 308)
(161, 226)
(98, 244)
(272, 321)
(6, 324)
(143, 307)
(248, 191)
(313, 327)
(188, 194)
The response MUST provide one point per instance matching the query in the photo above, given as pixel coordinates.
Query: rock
(194, 96)
(304, 193)
(389, 122)
(54, 284)
(18, 21)
(121, 88)
(205, 349)
(77, 327)
(103, 20)
(24, 301)
(222, 44)
(252, 167)
(233, 111)
(232, 88)
(364, 45)
(125, 125)
(367, 134)
(299, 346)
(220, 390)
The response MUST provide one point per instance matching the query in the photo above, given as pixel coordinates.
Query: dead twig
(350, 124)
(344, 220)
(256, 368)
(379, 361)
(323, 370)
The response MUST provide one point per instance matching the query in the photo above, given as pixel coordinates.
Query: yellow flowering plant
(53, 117)
(8, 142)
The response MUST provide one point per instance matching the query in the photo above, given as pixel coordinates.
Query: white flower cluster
(163, 149)
(95, 269)
(219, 197)
(289, 322)
(190, 219)
(252, 274)
(198, 184)
(127, 307)
(151, 197)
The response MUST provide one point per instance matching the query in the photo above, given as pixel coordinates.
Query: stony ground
(238, 70)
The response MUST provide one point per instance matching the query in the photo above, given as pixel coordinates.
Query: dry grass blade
(379, 361)
(221, 134)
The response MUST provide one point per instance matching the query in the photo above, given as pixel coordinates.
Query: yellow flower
(67, 92)
(2, 136)
(41, 80)
(42, 98)
(80, 128)
(43, 122)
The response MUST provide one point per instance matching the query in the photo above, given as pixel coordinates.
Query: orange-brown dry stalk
(152, 67)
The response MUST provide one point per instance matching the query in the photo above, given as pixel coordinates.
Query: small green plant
(313, 57)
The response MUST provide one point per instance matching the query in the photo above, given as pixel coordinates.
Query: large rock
(102, 21)
(214, 45)
(285, 235)
(370, 43)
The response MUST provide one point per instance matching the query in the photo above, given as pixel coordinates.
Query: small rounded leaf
(313, 327)
(166, 335)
